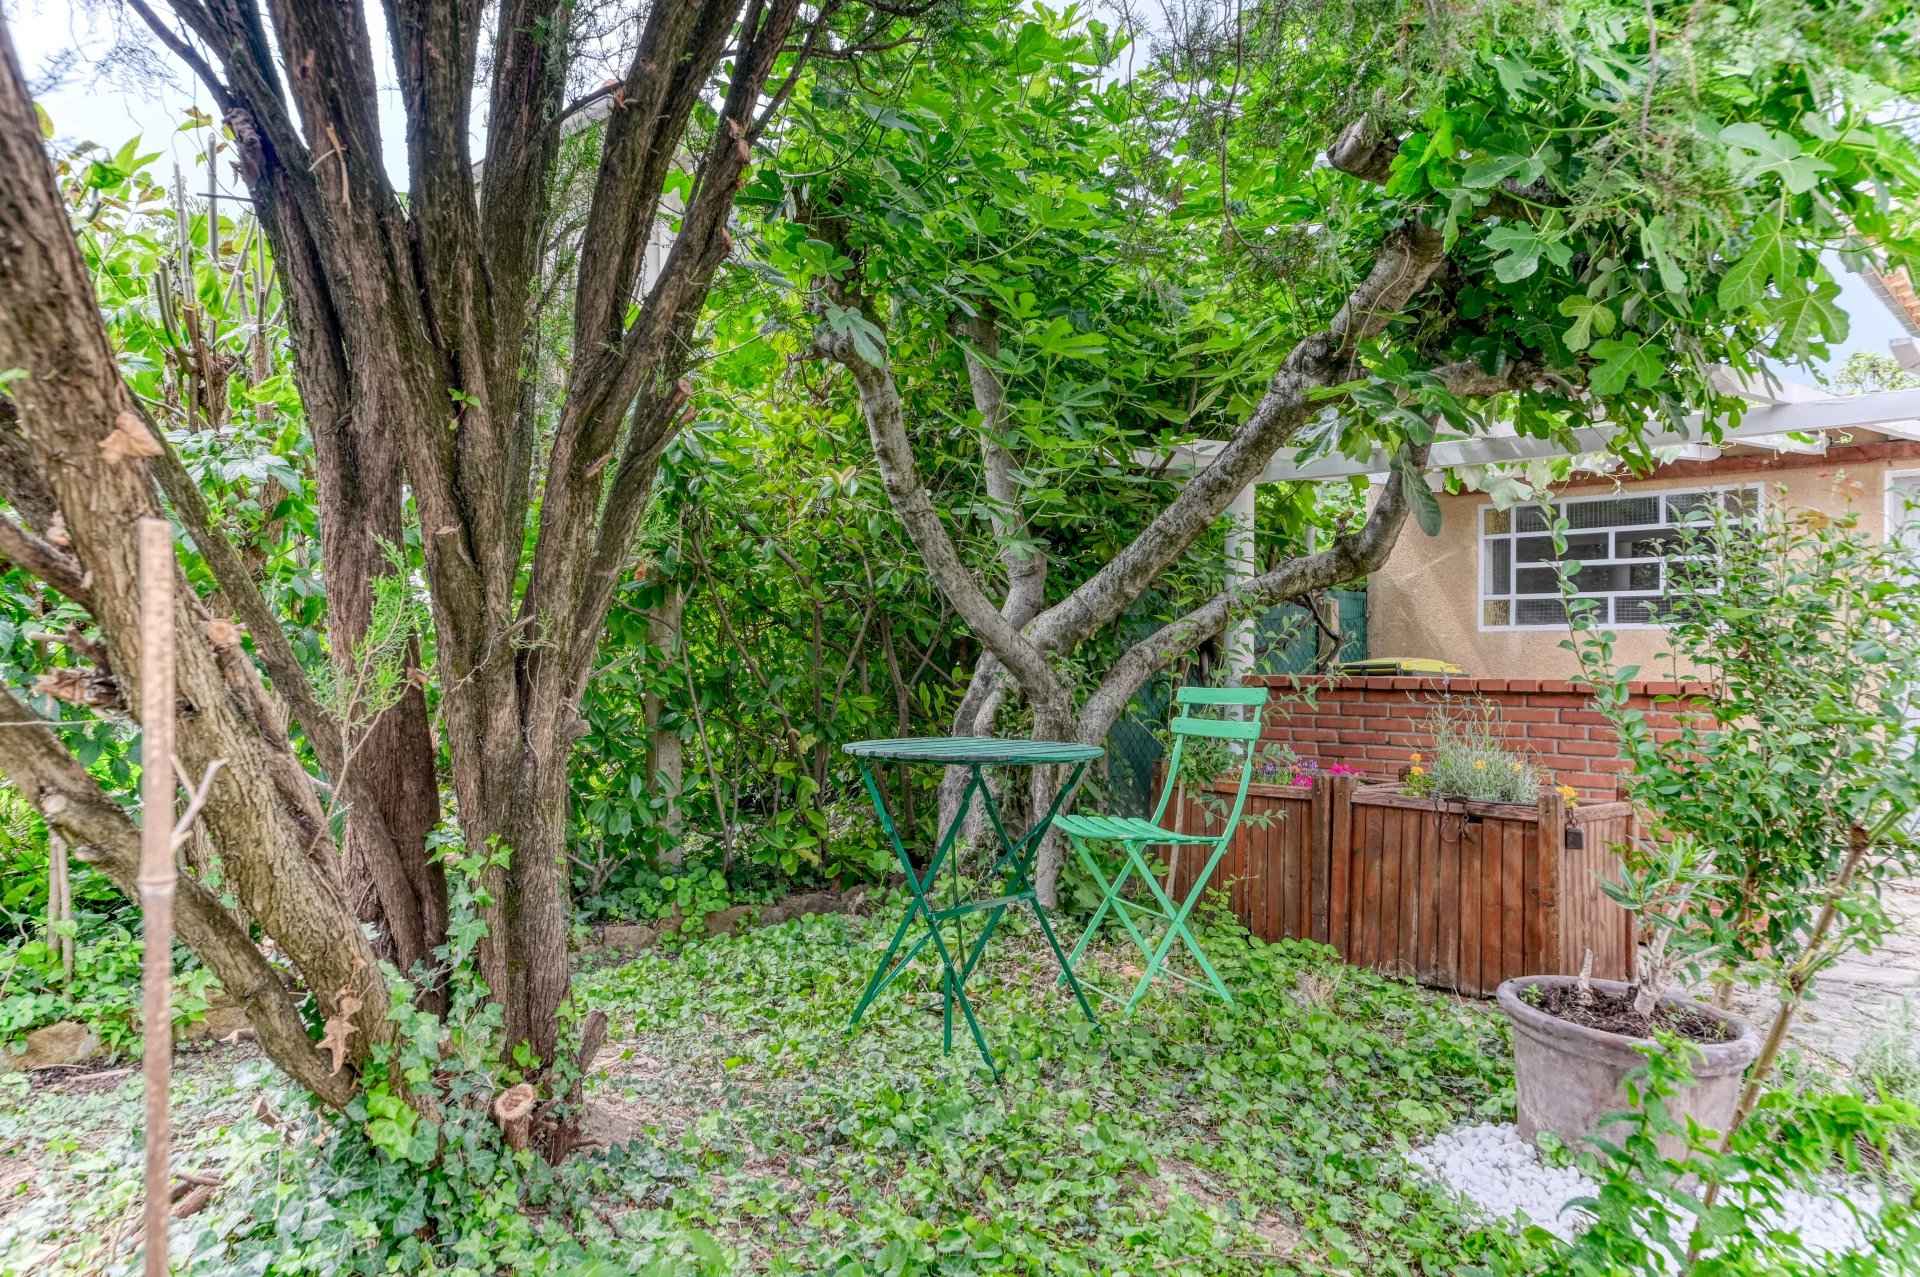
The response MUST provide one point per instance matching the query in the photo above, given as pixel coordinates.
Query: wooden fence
(1455, 895)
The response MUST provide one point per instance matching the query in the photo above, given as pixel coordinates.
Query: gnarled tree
(412, 320)
(1442, 219)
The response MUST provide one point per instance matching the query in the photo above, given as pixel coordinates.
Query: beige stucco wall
(1426, 600)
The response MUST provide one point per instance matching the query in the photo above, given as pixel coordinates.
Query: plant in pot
(1773, 790)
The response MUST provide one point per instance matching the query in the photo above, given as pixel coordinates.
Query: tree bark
(410, 320)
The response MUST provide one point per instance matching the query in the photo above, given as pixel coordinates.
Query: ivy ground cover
(760, 1136)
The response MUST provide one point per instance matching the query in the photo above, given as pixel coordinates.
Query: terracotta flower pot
(1567, 1077)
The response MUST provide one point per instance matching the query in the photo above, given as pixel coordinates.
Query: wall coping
(1460, 684)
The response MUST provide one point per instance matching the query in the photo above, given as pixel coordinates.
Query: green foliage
(1650, 1213)
(104, 994)
(1470, 759)
(1800, 629)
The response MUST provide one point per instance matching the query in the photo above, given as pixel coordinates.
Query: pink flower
(1342, 769)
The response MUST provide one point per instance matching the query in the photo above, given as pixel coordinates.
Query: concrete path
(1860, 996)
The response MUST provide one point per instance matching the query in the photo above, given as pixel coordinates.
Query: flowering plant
(1469, 761)
(1308, 770)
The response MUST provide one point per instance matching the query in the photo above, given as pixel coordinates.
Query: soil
(1614, 1013)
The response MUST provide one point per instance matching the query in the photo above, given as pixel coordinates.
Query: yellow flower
(1416, 771)
(1419, 758)
(1479, 764)
(1567, 792)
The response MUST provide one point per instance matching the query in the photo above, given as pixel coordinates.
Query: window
(1622, 547)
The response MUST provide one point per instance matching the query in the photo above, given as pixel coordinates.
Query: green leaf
(1622, 361)
(1491, 170)
(1760, 151)
(1656, 240)
(1420, 498)
(1808, 318)
(1590, 319)
(1768, 259)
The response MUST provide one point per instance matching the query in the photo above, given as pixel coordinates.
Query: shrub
(1469, 761)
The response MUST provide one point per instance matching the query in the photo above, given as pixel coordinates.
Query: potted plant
(1577, 1040)
(1774, 791)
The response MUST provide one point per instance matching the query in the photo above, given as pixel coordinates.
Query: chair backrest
(1188, 724)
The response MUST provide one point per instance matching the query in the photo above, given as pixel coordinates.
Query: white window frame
(1891, 510)
(1512, 537)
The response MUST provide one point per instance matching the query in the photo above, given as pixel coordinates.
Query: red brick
(1556, 731)
(1363, 738)
(1560, 700)
(1523, 685)
(1486, 686)
(1592, 749)
(1384, 754)
(1342, 723)
(1527, 714)
(1559, 686)
(1585, 718)
(1609, 765)
(1667, 735)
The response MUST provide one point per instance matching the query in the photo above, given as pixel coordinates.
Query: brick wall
(1377, 724)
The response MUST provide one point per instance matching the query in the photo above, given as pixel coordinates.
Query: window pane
(1642, 576)
(1683, 507)
(1499, 568)
(1539, 612)
(1528, 518)
(1640, 611)
(1536, 581)
(1646, 545)
(1614, 512)
(1742, 503)
(1496, 612)
(1496, 520)
(1582, 545)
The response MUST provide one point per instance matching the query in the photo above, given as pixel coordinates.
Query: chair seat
(1125, 829)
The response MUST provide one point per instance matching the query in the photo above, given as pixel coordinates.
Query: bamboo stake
(60, 902)
(156, 880)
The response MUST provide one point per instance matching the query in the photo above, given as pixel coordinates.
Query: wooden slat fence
(1458, 896)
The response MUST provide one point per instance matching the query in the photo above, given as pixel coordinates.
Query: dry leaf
(264, 1111)
(57, 530)
(339, 1029)
(130, 438)
(79, 686)
(222, 633)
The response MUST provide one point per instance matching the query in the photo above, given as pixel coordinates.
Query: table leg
(1017, 858)
(951, 986)
(889, 970)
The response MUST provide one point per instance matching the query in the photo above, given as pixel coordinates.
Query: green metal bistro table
(1014, 865)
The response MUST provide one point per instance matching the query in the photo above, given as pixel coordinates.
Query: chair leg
(1178, 927)
(1108, 890)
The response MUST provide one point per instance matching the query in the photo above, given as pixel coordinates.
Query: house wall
(1425, 601)
(1378, 724)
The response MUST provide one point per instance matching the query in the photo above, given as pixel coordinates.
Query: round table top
(975, 749)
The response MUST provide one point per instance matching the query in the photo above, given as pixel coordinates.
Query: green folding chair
(1135, 835)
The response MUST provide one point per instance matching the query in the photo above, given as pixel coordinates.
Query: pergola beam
(1890, 412)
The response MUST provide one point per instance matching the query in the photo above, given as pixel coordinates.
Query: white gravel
(1506, 1179)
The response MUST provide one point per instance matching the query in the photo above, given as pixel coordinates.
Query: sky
(88, 105)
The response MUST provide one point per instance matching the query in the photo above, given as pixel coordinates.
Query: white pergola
(1784, 417)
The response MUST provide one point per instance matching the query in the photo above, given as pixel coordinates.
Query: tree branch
(45, 560)
(1350, 556)
(243, 595)
(36, 764)
(1406, 261)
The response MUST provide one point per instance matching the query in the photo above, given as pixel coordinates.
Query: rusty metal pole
(156, 879)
